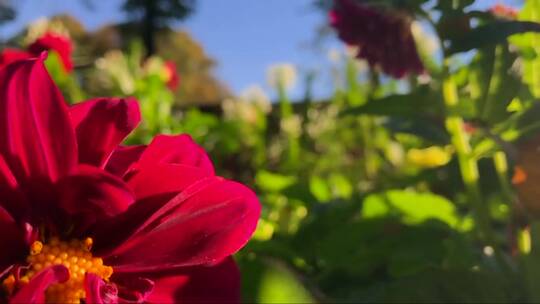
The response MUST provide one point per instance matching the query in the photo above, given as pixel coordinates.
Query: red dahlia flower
(383, 38)
(49, 41)
(84, 219)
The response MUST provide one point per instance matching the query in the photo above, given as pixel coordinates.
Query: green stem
(467, 163)
(285, 106)
(287, 112)
(469, 172)
(501, 166)
(370, 164)
(519, 238)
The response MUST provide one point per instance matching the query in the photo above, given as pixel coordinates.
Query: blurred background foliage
(415, 181)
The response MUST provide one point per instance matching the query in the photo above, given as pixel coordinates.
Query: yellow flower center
(76, 257)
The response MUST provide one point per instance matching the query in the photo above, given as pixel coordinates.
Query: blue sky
(244, 36)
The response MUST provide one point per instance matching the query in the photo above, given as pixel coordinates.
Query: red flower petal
(132, 288)
(153, 187)
(34, 291)
(94, 193)
(36, 137)
(202, 225)
(123, 158)
(124, 289)
(12, 198)
(8, 56)
(60, 44)
(164, 178)
(101, 124)
(179, 149)
(201, 284)
(99, 292)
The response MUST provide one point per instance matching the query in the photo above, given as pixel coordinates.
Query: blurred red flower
(383, 38)
(502, 11)
(173, 79)
(49, 41)
(82, 218)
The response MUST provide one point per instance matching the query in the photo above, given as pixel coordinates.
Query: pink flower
(83, 218)
(383, 38)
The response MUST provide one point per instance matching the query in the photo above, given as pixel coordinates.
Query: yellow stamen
(76, 257)
(36, 248)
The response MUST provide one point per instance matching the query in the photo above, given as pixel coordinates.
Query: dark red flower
(383, 38)
(82, 218)
(173, 79)
(58, 43)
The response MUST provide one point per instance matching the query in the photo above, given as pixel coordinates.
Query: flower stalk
(287, 116)
(467, 162)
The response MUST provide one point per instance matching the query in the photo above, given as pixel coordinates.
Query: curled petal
(101, 124)
(36, 137)
(207, 222)
(133, 288)
(180, 149)
(60, 44)
(34, 291)
(99, 292)
(200, 284)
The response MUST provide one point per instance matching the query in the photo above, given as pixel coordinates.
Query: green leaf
(419, 103)
(273, 182)
(449, 286)
(320, 189)
(429, 129)
(266, 280)
(492, 85)
(279, 285)
(341, 187)
(490, 34)
(529, 46)
(414, 207)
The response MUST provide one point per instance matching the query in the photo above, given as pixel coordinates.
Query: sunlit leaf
(414, 207)
(529, 46)
(273, 182)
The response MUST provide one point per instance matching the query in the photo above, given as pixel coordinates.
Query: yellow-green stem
(370, 163)
(467, 163)
(501, 166)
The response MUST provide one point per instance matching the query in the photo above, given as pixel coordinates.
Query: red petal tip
(43, 56)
